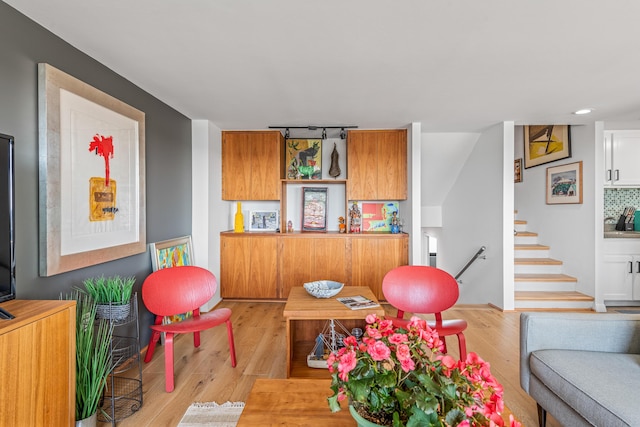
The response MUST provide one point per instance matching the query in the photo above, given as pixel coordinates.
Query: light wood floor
(205, 374)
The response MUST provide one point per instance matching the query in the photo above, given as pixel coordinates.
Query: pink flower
(350, 341)
(378, 351)
(386, 327)
(407, 365)
(403, 352)
(416, 322)
(398, 338)
(346, 364)
(373, 332)
(371, 318)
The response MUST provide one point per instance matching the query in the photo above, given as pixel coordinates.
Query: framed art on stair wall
(564, 184)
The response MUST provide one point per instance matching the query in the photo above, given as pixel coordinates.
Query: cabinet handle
(617, 174)
(630, 266)
(608, 175)
(638, 266)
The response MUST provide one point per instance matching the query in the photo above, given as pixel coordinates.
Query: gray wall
(23, 44)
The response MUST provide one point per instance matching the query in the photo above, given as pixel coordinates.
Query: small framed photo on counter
(266, 220)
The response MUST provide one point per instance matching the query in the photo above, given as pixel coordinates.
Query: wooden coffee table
(297, 402)
(305, 318)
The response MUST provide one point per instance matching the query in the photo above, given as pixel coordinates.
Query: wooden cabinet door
(364, 259)
(362, 165)
(236, 166)
(235, 258)
(251, 165)
(330, 260)
(373, 257)
(263, 272)
(296, 263)
(392, 165)
(266, 154)
(377, 164)
(305, 259)
(248, 266)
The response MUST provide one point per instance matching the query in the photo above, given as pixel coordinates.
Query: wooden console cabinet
(269, 265)
(38, 364)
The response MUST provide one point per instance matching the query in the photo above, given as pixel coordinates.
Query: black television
(7, 220)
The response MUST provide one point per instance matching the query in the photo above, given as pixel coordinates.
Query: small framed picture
(304, 158)
(263, 220)
(564, 184)
(171, 253)
(517, 170)
(314, 208)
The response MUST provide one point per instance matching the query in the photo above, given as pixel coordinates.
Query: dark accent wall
(23, 44)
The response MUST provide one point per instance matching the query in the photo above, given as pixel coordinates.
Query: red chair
(178, 290)
(419, 289)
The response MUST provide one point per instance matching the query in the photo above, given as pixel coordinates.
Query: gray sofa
(582, 368)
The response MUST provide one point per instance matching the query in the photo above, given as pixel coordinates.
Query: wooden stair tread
(561, 295)
(544, 278)
(525, 234)
(536, 261)
(520, 221)
(533, 247)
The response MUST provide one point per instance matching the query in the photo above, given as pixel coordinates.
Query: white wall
(567, 229)
(472, 216)
(209, 215)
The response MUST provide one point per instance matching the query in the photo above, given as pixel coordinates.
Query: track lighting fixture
(343, 133)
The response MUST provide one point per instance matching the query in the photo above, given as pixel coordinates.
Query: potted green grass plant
(112, 295)
(93, 358)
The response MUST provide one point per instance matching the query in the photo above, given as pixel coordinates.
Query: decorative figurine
(289, 226)
(334, 169)
(354, 214)
(342, 227)
(395, 224)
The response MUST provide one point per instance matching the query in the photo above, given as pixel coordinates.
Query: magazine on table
(358, 302)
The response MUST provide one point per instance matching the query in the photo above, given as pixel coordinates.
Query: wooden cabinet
(38, 364)
(374, 256)
(621, 153)
(377, 164)
(248, 266)
(268, 266)
(251, 165)
(305, 259)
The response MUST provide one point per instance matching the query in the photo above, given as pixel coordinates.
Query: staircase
(539, 281)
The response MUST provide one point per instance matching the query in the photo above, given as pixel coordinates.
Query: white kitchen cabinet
(621, 154)
(619, 275)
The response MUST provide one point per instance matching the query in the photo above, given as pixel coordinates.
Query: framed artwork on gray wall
(91, 183)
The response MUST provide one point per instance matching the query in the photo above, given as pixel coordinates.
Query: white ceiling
(452, 65)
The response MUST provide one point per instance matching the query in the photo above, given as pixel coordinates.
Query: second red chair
(419, 289)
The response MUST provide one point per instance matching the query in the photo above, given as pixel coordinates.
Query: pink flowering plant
(399, 377)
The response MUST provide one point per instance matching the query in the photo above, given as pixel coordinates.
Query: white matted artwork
(92, 200)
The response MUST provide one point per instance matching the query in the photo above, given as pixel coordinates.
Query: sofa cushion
(600, 386)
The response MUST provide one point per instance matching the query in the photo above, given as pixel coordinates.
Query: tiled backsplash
(616, 199)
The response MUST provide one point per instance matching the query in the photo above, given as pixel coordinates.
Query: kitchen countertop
(615, 234)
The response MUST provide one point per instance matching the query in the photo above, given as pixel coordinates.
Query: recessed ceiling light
(583, 111)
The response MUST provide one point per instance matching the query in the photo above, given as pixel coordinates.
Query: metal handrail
(475, 257)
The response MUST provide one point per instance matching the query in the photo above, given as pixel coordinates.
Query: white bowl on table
(323, 288)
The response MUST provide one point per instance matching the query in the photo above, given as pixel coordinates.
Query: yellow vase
(238, 225)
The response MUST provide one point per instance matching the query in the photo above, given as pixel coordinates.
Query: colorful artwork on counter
(377, 216)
